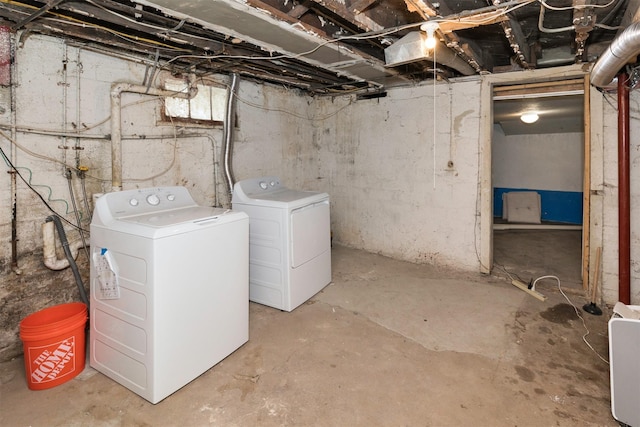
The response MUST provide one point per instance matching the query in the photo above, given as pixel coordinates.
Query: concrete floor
(533, 253)
(387, 343)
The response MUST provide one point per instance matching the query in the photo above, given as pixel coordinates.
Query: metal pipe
(551, 30)
(14, 154)
(625, 47)
(116, 130)
(624, 198)
(65, 63)
(228, 132)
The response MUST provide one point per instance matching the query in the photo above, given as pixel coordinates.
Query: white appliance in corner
(169, 288)
(289, 241)
(624, 363)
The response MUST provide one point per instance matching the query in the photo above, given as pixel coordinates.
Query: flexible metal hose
(228, 132)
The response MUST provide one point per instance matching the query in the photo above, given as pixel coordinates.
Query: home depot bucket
(54, 344)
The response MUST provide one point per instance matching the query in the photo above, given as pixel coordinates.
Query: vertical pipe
(116, 138)
(65, 62)
(77, 146)
(228, 132)
(14, 154)
(624, 199)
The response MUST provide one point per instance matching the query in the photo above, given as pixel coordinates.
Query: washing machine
(169, 288)
(289, 241)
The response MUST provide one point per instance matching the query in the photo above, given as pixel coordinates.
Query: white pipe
(116, 125)
(624, 48)
(51, 260)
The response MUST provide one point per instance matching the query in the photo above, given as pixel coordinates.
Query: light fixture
(430, 28)
(529, 117)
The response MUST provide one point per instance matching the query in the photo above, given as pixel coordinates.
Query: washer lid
(156, 225)
(194, 214)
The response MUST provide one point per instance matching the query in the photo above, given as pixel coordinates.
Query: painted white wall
(542, 162)
(376, 160)
(609, 191)
(53, 97)
(374, 157)
(275, 136)
(60, 87)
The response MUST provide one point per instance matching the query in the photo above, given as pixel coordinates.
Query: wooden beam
(425, 9)
(360, 5)
(513, 32)
(557, 85)
(298, 11)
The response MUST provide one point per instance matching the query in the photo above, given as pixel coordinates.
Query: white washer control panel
(140, 201)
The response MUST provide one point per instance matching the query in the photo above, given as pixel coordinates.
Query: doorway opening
(538, 170)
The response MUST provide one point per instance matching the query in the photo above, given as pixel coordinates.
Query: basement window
(206, 108)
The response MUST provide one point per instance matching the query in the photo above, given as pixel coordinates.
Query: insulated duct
(411, 48)
(116, 125)
(622, 50)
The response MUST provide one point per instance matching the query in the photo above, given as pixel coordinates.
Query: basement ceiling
(333, 46)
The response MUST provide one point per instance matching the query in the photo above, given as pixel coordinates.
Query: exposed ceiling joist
(318, 44)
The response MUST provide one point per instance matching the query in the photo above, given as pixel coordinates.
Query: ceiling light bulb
(430, 42)
(529, 117)
(430, 28)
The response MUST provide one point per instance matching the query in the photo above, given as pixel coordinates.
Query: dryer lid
(268, 191)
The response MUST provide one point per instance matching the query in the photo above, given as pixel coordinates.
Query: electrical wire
(31, 187)
(363, 36)
(576, 7)
(292, 113)
(584, 337)
(68, 20)
(533, 287)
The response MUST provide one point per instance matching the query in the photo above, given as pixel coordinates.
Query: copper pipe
(624, 198)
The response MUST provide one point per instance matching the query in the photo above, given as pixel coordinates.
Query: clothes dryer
(289, 241)
(169, 288)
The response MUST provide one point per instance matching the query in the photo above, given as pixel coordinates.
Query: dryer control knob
(133, 202)
(153, 199)
(263, 185)
(171, 197)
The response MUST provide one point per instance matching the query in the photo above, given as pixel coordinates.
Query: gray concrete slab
(386, 344)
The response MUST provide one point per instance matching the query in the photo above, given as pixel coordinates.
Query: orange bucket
(54, 344)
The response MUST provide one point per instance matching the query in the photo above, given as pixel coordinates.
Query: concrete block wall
(610, 252)
(402, 171)
(401, 186)
(60, 88)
